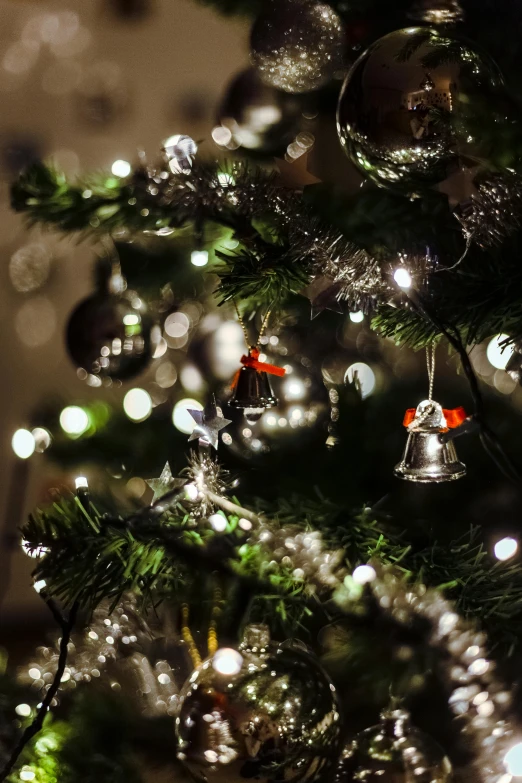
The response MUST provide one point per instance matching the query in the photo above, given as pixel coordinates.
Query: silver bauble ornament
(395, 116)
(297, 45)
(393, 752)
(265, 712)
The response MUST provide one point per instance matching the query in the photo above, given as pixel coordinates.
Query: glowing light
(513, 760)
(191, 492)
(294, 389)
(23, 444)
(34, 673)
(137, 404)
(163, 679)
(26, 773)
(364, 574)
(402, 277)
(245, 524)
(221, 135)
(227, 661)
(506, 548)
(39, 585)
(74, 420)
(364, 376)
(121, 168)
(35, 552)
(191, 378)
(357, 318)
(42, 439)
(181, 418)
(23, 710)
(498, 356)
(296, 413)
(131, 319)
(80, 482)
(218, 523)
(199, 257)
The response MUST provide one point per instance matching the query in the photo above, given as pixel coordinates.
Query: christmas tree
(307, 570)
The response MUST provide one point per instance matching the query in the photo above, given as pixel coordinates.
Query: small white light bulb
(74, 420)
(191, 492)
(227, 661)
(199, 257)
(364, 574)
(80, 482)
(513, 760)
(121, 168)
(357, 318)
(39, 585)
(506, 548)
(402, 277)
(218, 523)
(24, 710)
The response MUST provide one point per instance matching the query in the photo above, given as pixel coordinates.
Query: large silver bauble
(264, 712)
(393, 752)
(297, 45)
(396, 111)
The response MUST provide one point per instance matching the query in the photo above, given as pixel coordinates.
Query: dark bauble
(265, 712)
(256, 117)
(107, 336)
(297, 45)
(395, 116)
(393, 752)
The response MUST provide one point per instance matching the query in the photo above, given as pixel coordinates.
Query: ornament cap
(256, 638)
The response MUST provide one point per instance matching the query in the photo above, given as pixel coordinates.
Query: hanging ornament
(297, 45)
(430, 456)
(393, 752)
(180, 151)
(437, 12)
(251, 386)
(251, 713)
(395, 116)
(256, 117)
(209, 423)
(109, 334)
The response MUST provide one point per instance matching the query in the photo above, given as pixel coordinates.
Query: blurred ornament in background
(30, 266)
(180, 151)
(251, 714)
(256, 117)
(437, 12)
(514, 365)
(428, 459)
(393, 752)
(109, 336)
(395, 113)
(130, 10)
(298, 45)
(101, 97)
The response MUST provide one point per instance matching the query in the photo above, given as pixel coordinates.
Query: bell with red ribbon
(429, 457)
(251, 385)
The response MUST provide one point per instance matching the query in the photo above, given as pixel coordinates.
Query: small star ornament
(208, 424)
(323, 294)
(165, 483)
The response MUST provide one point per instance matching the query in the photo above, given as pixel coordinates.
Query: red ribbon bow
(454, 418)
(252, 360)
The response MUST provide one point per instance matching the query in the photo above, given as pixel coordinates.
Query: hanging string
(186, 634)
(430, 363)
(212, 640)
(262, 331)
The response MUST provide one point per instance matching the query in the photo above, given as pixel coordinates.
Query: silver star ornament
(209, 422)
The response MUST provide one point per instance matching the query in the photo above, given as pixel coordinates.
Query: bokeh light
(181, 418)
(402, 277)
(357, 317)
(23, 443)
(74, 420)
(363, 375)
(513, 760)
(506, 548)
(199, 257)
(227, 661)
(137, 404)
(497, 355)
(121, 168)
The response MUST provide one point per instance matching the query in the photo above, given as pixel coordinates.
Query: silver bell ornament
(395, 116)
(251, 385)
(428, 457)
(265, 712)
(393, 752)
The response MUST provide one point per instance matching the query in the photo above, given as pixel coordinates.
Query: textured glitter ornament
(393, 752)
(297, 45)
(109, 337)
(437, 12)
(252, 714)
(256, 117)
(428, 458)
(395, 117)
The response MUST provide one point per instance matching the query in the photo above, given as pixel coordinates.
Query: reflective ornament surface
(297, 45)
(256, 117)
(427, 458)
(252, 392)
(393, 752)
(437, 12)
(397, 107)
(107, 336)
(252, 713)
